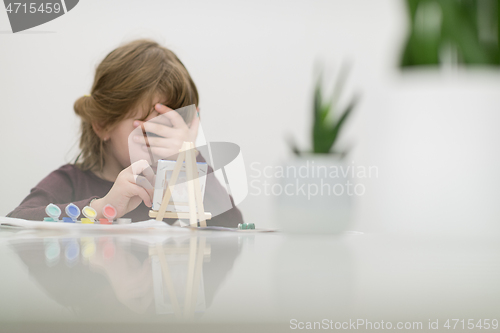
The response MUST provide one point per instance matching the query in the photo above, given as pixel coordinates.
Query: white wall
(253, 63)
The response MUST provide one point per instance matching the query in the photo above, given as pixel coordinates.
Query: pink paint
(109, 212)
(104, 221)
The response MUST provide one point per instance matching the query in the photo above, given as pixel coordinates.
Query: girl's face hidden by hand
(117, 145)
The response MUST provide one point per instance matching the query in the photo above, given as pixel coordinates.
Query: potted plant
(439, 111)
(316, 189)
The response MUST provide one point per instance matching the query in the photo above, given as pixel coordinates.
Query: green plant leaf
(465, 31)
(340, 123)
(325, 130)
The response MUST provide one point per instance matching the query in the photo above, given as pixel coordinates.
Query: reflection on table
(115, 275)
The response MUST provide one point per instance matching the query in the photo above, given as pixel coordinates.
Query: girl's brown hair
(128, 78)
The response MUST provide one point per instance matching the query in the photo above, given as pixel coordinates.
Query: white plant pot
(435, 140)
(314, 195)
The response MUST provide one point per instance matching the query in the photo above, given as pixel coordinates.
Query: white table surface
(252, 282)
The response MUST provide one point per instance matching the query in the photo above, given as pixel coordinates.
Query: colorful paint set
(73, 212)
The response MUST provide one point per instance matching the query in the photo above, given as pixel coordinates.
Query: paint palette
(73, 211)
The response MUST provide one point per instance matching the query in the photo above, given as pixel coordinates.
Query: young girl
(133, 84)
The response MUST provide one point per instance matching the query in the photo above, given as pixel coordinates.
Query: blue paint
(68, 219)
(72, 211)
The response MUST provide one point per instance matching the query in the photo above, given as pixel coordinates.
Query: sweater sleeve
(218, 202)
(56, 188)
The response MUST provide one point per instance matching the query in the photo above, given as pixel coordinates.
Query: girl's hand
(169, 132)
(129, 190)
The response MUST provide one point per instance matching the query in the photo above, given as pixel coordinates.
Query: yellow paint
(89, 212)
(87, 221)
